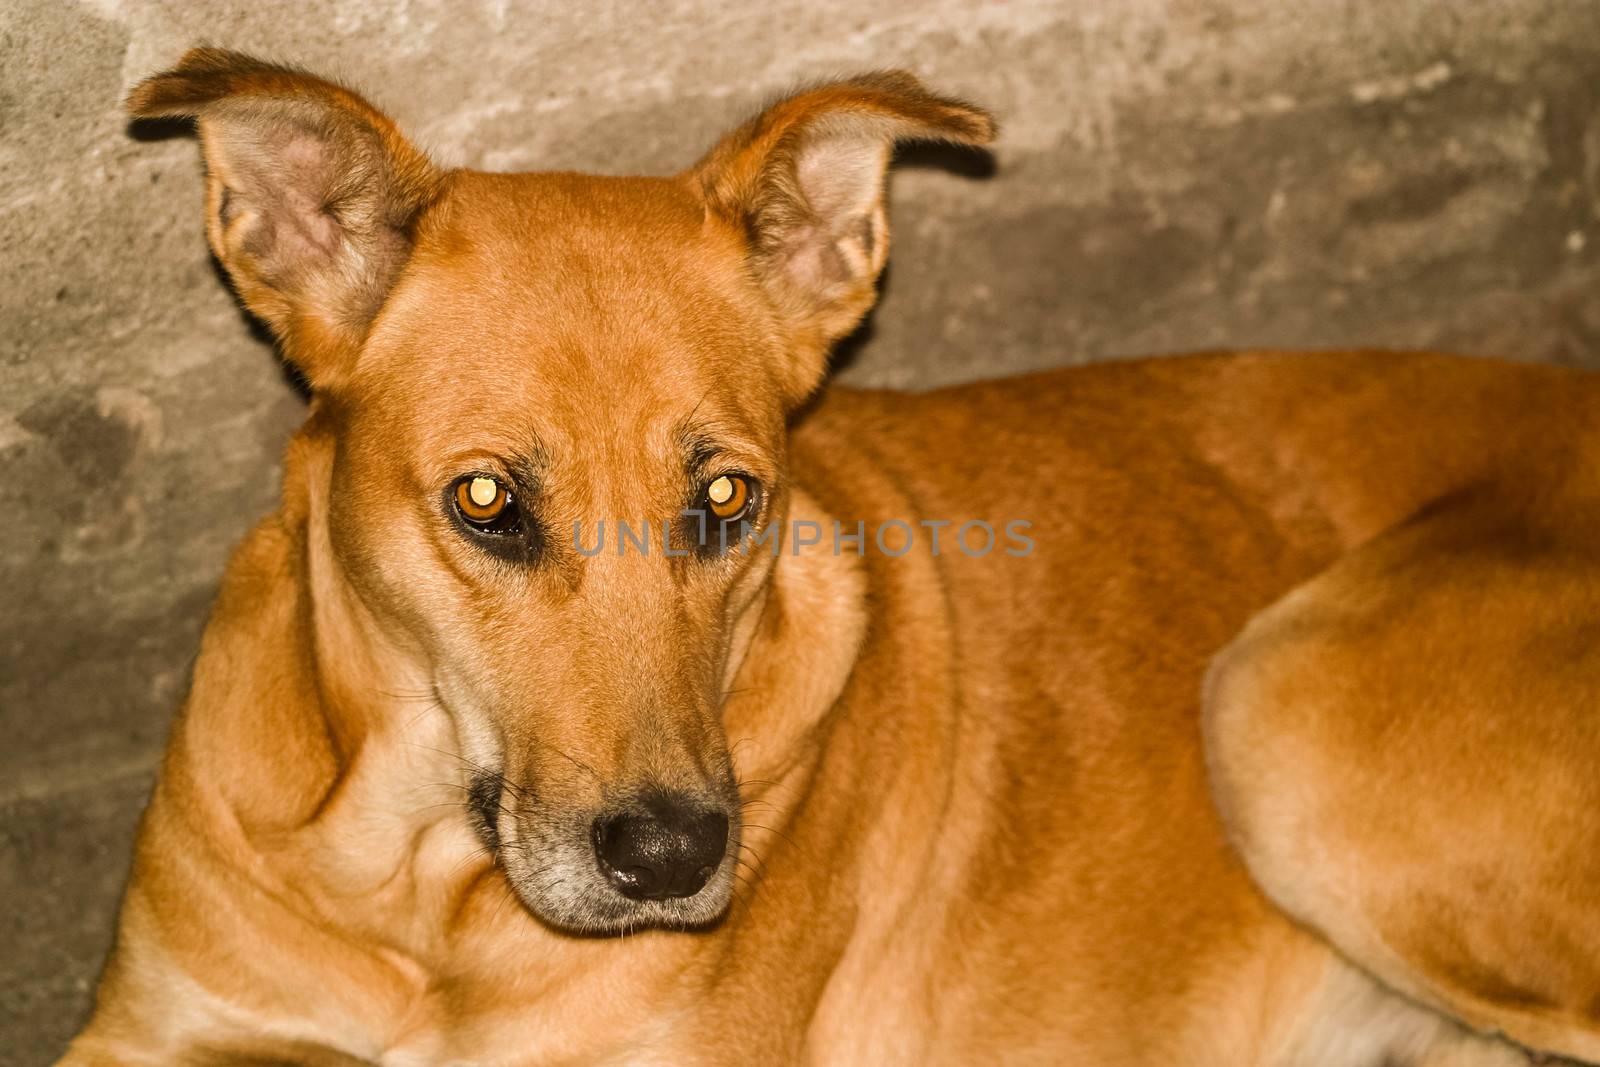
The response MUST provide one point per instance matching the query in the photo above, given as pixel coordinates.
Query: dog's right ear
(312, 197)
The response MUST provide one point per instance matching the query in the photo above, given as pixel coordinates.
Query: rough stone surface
(1174, 174)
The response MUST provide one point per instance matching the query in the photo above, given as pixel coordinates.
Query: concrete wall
(1174, 174)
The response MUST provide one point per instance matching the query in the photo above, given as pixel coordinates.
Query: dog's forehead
(573, 301)
(522, 256)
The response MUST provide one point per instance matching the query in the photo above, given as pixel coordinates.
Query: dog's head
(511, 367)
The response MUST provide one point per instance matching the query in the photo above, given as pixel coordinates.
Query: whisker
(569, 758)
(406, 694)
(472, 857)
(746, 899)
(775, 830)
(496, 776)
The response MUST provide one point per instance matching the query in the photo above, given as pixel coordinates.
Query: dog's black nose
(671, 852)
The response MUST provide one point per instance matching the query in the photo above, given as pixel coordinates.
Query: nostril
(709, 839)
(668, 854)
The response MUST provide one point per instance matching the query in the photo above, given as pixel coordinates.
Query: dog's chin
(559, 881)
(589, 905)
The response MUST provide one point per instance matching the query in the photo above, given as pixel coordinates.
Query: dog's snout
(670, 851)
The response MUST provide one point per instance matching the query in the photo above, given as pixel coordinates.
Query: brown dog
(855, 801)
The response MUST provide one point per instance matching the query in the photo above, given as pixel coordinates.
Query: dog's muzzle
(652, 858)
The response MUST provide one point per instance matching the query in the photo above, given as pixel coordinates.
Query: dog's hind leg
(1404, 751)
(1353, 1020)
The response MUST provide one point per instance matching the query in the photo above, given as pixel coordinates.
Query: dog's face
(558, 406)
(608, 363)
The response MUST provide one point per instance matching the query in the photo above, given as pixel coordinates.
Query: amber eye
(729, 497)
(486, 504)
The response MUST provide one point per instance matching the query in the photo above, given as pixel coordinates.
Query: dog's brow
(699, 450)
(521, 455)
(529, 464)
(702, 446)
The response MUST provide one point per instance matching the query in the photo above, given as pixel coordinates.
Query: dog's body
(976, 810)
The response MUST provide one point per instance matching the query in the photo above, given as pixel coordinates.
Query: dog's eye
(729, 497)
(484, 504)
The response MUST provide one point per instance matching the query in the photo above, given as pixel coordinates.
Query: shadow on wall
(966, 161)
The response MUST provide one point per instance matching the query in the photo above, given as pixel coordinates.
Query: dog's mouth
(483, 808)
(659, 859)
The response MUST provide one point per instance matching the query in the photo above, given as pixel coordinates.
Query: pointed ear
(312, 197)
(803, 182)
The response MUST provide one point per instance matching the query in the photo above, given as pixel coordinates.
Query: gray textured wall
(1174, 174)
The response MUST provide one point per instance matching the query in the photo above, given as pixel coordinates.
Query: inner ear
(841, 175)
(841, 238)
(803, 183)
(275, 193)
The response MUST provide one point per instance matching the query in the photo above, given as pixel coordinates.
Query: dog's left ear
(803, 183)
(312, 197)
